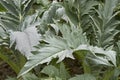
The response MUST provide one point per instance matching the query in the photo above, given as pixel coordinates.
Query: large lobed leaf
(15, 14)
(104, 25)
(71, 40)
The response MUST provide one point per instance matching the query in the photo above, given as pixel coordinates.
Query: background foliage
(61, 39)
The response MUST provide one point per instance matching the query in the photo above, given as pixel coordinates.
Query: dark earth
(5, 71)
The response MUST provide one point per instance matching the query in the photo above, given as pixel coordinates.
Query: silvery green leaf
(33, 21)
(10, 6)
(25, 41)
(109, 8)
(49, 14)
(50, 70)
(82, 47)
(105, 23)
(55, 28)
(2, 32)
(22, 42)
(60, 11)
(111, 56)
(100, 60)
(33, 36)
(107, 55)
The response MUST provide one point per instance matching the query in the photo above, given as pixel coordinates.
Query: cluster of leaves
(82, 30)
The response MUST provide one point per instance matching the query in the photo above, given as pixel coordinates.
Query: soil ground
(5, 71)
